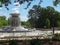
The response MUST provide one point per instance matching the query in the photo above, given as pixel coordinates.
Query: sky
(24, 12)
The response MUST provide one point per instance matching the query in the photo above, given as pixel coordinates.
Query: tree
(2, 18)
(55, 2)
(34, 15)
(22, 23)
(27, 24)
(3, 21)
(40, 17)
(1, 24)
(58, 23)
(47, 23)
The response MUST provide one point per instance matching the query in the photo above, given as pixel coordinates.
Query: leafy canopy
(7, 2)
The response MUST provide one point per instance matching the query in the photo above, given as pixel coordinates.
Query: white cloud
(0, 8)
(17, 3)
(16, 8)
(16, 11)
(23, 18)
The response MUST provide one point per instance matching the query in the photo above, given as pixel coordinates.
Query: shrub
(56, 36)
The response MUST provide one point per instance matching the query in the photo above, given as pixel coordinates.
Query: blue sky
(24, 12)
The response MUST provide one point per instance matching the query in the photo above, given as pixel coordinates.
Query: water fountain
(15, 22)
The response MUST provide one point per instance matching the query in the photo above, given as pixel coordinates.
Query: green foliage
(13, 42)
(22, 23)
(56, 36)
(47, 23)
(36, 42)
(2, 18)
(34, 15)
(1, 24)
(40, 17)
(27, 24)
(58, 23)
(3, 21)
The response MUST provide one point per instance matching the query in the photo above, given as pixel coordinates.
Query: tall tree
(38, 19)
(34, 15)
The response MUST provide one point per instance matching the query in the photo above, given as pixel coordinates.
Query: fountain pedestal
(15, 21)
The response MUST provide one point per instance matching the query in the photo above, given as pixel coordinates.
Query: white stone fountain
(15, 22)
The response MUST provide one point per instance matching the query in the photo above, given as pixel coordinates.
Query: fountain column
(15, 20)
